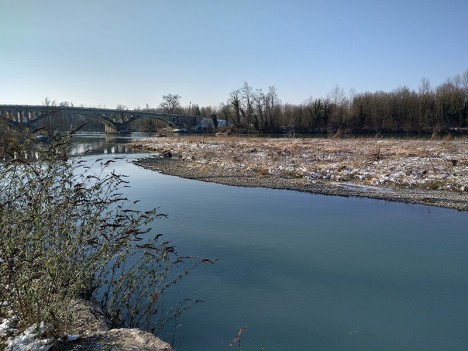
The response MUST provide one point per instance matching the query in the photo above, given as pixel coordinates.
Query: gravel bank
(429, 172)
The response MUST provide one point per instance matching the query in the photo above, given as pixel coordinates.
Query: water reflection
(96, 143)
(305, 271)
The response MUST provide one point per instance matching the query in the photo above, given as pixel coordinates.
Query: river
(307, 272)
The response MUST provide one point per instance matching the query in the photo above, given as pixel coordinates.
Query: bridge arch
(113, 120)
(139, 116)
(107, 123)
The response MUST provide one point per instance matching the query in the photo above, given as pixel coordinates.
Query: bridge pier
(20, 115)
(108, 129)
(111, 129)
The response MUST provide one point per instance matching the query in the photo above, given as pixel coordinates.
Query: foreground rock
(94, 333)
(117, 340)
(430, 172)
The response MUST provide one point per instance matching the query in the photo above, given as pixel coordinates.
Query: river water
(307, 272)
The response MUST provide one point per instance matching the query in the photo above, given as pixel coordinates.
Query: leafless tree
(171, 103)
(235, 101)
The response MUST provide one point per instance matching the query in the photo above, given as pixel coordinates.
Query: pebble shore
(428, 172)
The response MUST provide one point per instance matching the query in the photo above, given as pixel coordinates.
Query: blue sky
(109, 52)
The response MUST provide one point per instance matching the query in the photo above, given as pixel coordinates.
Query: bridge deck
(111, 118)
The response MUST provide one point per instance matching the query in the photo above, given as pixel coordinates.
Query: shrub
(67, 232)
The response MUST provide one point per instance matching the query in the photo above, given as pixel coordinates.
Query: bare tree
(423, 110)
(171, 103)
(272, 108)
(260, 103)
(47, 102)
(464, 82)
(247, 109)
(236, 104)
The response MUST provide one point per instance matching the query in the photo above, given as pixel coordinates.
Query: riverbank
(428, 172)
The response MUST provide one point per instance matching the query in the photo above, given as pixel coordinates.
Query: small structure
(206, 124)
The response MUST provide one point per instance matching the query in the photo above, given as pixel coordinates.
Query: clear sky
(132, 52)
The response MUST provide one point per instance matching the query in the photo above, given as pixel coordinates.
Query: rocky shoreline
(94, 333)
(428, 172)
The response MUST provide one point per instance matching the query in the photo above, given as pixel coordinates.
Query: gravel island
(420, 171)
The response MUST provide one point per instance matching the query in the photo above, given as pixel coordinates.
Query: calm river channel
(307, 272)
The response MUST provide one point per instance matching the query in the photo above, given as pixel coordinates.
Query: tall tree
(235, 101)
(171, 103)
(272, 109)
(247, 109)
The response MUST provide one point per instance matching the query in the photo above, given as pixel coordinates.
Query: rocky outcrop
(116, 340)
(90, 331)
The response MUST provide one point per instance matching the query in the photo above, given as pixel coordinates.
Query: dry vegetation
(400, 164)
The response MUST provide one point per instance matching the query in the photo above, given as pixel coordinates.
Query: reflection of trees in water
(82, 143)
(105, 144)
(82, 148)
(99, 148)
(26, 155)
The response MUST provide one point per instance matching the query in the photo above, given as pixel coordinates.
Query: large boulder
(90, 331)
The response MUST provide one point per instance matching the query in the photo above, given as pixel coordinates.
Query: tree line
(401, 110)
(249, 109)
(426, 110)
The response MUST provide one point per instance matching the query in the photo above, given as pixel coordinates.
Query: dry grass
(399, 163)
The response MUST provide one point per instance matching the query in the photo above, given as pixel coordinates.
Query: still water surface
(308, 272)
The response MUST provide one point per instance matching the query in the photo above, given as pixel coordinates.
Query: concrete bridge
(115, 121)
